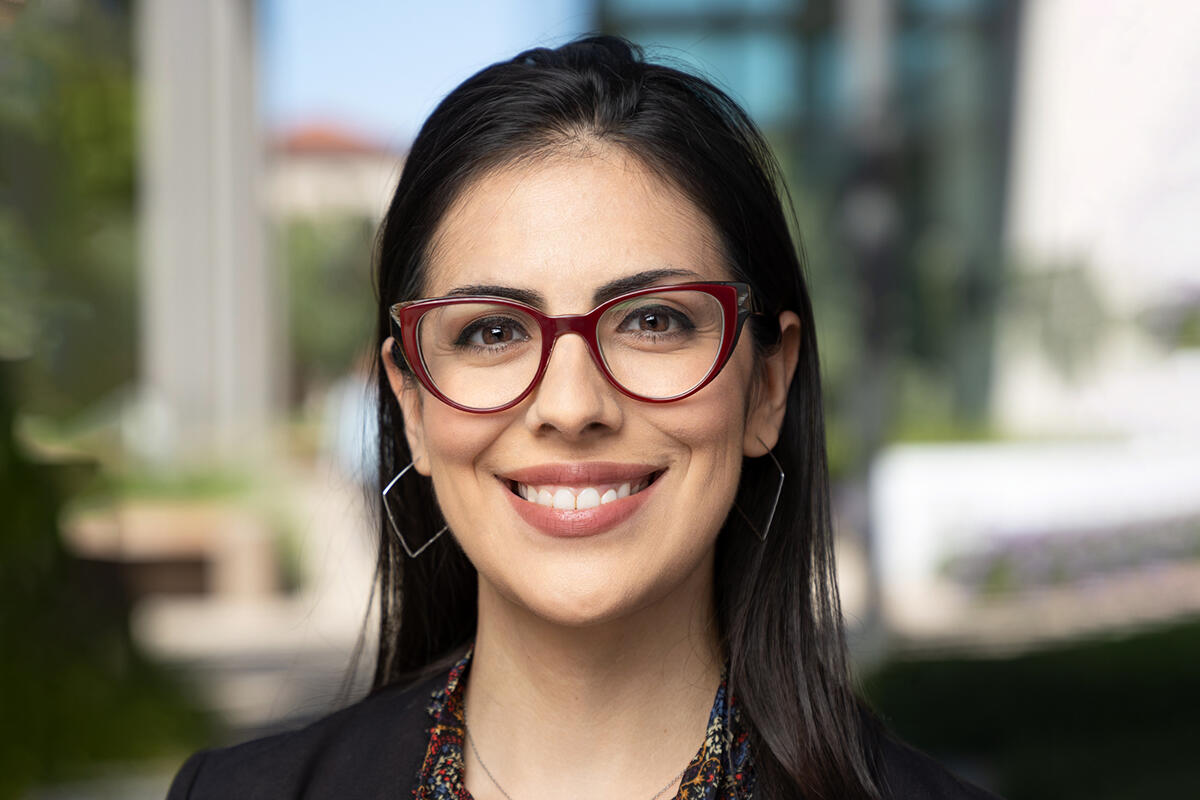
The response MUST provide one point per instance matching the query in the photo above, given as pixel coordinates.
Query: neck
(613, 708)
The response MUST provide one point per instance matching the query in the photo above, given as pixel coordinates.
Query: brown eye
(496, 334)
(658, 319)
(656, 323)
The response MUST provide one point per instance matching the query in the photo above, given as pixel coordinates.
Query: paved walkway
(272, 661)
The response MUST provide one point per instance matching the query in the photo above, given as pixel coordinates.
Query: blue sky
(380, 67)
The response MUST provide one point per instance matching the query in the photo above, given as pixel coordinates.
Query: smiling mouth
(578, 498)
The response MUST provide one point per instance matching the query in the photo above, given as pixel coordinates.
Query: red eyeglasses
(486, 354)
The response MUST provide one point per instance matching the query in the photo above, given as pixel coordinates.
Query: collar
(722, 768)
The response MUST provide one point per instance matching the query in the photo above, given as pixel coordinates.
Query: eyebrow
(614, 288)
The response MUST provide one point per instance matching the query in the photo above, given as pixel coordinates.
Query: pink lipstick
(579, 499)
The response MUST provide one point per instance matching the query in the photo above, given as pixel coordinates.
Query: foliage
(1188, 329)
(76, 690)
(1062, 308)
(67, 184)
(331, 311)
(1099, 719)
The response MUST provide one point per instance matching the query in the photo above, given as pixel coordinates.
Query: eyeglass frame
(735, 297)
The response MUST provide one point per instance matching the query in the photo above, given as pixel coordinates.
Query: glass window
(763, 71)
(650, 8)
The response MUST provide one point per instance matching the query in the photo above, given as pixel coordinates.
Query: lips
(579, 499)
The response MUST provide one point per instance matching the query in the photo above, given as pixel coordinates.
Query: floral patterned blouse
(721, 770)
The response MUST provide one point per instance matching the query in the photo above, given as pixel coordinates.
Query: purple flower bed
(1013, 561)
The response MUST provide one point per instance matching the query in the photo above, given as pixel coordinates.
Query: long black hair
(778, 612)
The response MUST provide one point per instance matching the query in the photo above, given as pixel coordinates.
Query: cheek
(713, 420)
(710, 425)
(455, 436)
(453, 442)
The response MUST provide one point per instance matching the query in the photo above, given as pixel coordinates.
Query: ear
(769, 401)
(408, 394)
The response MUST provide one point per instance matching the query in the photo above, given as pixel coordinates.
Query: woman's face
(560, 229)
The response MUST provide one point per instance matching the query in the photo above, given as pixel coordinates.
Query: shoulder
(369, 749)
(908, 774)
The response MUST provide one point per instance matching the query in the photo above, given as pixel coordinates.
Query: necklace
(496, 783)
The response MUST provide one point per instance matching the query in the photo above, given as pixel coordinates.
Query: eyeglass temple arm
(748, 305)
(398, 356)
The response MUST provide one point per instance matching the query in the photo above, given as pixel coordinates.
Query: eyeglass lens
(482, 355)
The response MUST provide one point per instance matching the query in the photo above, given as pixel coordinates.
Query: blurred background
(998, 202)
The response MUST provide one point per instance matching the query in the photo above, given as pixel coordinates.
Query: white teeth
(564, 500)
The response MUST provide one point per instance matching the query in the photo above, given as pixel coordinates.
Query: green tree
(331, 312)
(67, 192)
(74, 689)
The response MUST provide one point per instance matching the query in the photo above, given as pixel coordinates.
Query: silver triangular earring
(762, 534)
(396, 528)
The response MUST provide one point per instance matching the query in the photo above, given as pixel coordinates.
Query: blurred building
(1092, 524)
(892, 121)
(327, 170)
(1106, 191)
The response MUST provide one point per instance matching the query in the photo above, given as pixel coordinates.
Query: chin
(581, 598)
(579, 603)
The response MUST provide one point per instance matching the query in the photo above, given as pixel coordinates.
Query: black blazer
(374, 748)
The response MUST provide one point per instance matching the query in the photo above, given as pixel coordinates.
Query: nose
(574, 398)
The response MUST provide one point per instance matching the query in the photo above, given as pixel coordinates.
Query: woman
(605, 566)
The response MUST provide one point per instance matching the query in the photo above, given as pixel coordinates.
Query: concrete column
(209, 332)
(866, 27)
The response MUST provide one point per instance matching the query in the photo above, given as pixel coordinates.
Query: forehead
(568, 224)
